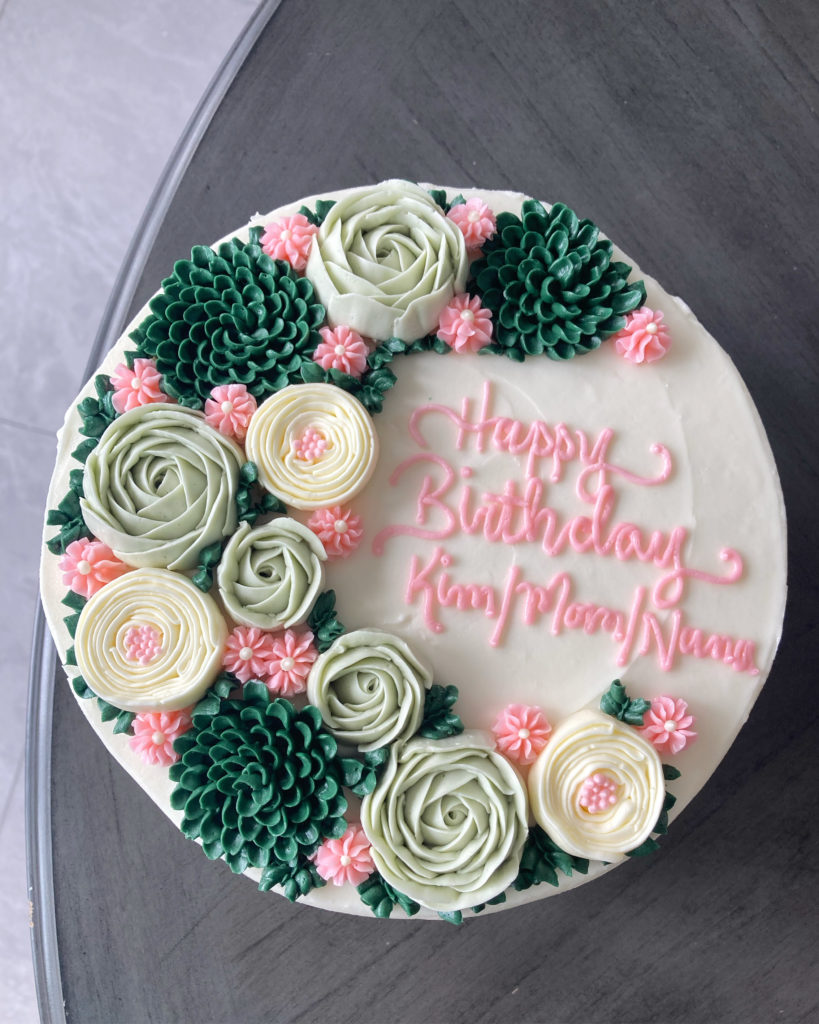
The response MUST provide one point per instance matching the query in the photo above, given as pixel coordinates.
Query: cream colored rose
(588, 751)
(386, 261)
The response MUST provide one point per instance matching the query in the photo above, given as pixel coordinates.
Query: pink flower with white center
(310, 445)
(229, 409)
(347, 859)
(291, 657)
(464, 325)
(645, 337)
(667, 724)
(143, 643)
(289, 238)
(598, 793)
(140, 386)
(341, 348)
(521, 733)
(154, 733)
(248, 650)
(88, 565)
(338, 530)
(476, 221)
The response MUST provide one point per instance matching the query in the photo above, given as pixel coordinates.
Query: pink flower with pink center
(143, 643)
(289, 239)
(289, 662)
(645, 337)
(338, 530)
(347, 859)
(598, 793)
(667, 724)
(248, 650)
(88, 565)
(229, 409)
(341, 348)
(476, 221)
(154, 733)
(465, 325)
(310, 445)
(140, 386)
(521, 733)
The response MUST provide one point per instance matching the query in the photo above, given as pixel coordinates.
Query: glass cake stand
(670, 133)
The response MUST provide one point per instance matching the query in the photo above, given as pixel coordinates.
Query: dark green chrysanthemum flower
(258, 781)
(232, 317)
(551, 284)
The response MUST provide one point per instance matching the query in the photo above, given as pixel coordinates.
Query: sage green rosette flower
(270, 576)
(386, 261)
(160, 486)
(369, 688)
(447, 821)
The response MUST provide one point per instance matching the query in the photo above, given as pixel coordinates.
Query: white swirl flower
(597, 788)
(150, 641)
(314, 445)
(369, 688)
(160, 486)
(386, 261)
(447, 821)
(271, 575)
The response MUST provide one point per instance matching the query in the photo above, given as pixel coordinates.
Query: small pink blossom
(598, 793)
(464, 325)
(667, 724)
(289, 662)
(645, 337)
(521, 732)
(310, 445)
(154, 733)
(289, 239)
(229, 409)
(140, 386)
(341, 348)
(338, 530)
(476, 221)
(346, 859)
(88, 565)
(248, 650)
(143, 643)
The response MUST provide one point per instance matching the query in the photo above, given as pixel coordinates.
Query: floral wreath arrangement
(198, 613)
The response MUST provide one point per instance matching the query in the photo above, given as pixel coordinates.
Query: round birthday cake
(415, 552)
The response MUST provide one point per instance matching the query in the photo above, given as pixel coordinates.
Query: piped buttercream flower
(88, 565)
(667, 724)
(476, 221)
(521, 732)
(289, 239)
(137, 386)
(645, 338)
(154, 735)
(465, 325)
(341, 348)
(347, 859)
(229, 409)
(289, 662)
(338, 529)
(247, 653)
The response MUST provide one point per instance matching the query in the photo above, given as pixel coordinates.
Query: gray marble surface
(689, 132)
(93, 96)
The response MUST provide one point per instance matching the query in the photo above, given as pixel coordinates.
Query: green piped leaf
(452, 916)
(323, 622)
(542, 859)
(252, 500)
(381, 898)
(615, 702)
(439, 719)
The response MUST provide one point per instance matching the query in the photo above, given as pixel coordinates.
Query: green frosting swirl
(271, 575)
(232, 317)
(369, 688)
(160, 486)
(447, 821)
(551, 284)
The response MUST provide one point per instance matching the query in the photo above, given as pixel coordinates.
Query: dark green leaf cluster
(384, 353)
(439, 197)
(661, 828)
(68, 516)
(381, 898)
(551, 284)
(439, 719)
(207, 562)
(615, 702)
(252, 500)
(323, 621)
(542, 859)
(369, 390)
(296, 879)
(235, 316)
(317, 216)
(361, 773)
